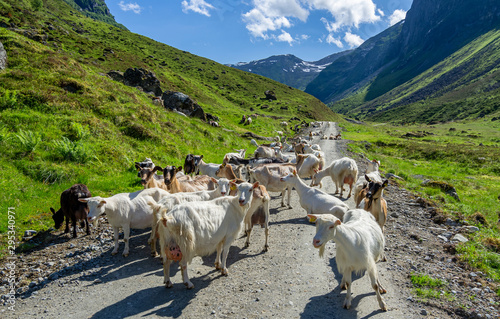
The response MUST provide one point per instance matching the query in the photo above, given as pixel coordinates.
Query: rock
(32, 284)
(182, 103)
(97, 281)
(423, 312)
(470, 229)
(3, 57)
(450, 222)
(142, 78)
(270, 95)
(390, 175)
(459, 238)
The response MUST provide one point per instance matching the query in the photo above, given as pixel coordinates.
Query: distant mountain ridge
(288, 69)
(440, 63)
(95, 9)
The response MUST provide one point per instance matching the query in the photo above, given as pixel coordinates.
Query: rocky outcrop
(178, 101)
(270, 95)
(3, 57)
(138, 77)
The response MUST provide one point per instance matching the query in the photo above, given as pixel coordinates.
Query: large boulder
(142, 78)
(182, 103)
(3, 57)
(270, 95)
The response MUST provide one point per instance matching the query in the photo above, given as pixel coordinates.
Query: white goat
(359, 243)
(342, 171)
(126, 210)
(199, 228)
(203, 168)
(270, 177)
(313, 200)
(264, 152)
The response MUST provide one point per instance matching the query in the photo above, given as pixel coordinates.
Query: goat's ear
(232, 185)
(178, 169)
(157, 168)
(137, 166)
(102, 202)
(201, 156)
(83, 200)
(335, 224)
(367, 178)
(214, 180)
(255, 185)
(385, 183)
(52, 210)
(294, 172)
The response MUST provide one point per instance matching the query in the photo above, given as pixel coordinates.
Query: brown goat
(176, 185)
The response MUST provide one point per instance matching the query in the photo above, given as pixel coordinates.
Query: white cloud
(397, 16)
(259, 24)
(330, 39)
(353, 40)
(305, 37)
(130, 7)
(380, 12)
(285, 37)
(347, 13)
(198, 6)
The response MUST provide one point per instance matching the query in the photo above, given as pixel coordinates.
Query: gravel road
(80, 279)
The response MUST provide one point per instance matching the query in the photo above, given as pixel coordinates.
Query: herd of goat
(201, 209)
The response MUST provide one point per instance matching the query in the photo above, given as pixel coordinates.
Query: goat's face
(58, 217)
(375, 189)
(169, 174)
(189, 164)
(289, 178)
(325, 227)
(145, 174)
(96, 206)
(223, 186)
(245, 192)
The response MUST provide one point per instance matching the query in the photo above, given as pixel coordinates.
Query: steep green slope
(464, 85)
(64, 121)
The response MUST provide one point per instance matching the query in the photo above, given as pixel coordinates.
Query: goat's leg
(225, 251)
(248, 231)
(266, 223)
(283, 198)
(217, 259)
(289, 194)
(73, 223)
(116, 233)
(66, 230)
(152, 241)
(348, 284)
(87, 227)
(126, 237)
(166, 272)
(185, 277)
(375, 284)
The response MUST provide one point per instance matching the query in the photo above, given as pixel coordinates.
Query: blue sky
(230, 31)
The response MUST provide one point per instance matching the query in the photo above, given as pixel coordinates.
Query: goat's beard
(321, 250)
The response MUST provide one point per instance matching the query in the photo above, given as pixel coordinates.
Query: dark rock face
(182, 103)
(144, 79)
(138, 77)
(270, 95)
(3, 57)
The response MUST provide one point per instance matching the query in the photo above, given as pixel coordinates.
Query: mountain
(288, 69)
(68, 116)
(439, 64)
(95, 9)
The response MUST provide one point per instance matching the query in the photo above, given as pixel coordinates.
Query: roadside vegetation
(433, 160)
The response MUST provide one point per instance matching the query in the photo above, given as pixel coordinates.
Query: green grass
(461, 154)
(426, 287)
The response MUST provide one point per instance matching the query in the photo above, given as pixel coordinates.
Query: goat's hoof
(169, 284)
(247, 244)
(217, 266)
(114, 253)
(382, 291)
(383, 307)
(290, 206)
(125, 255)
(155, 254)
(224, 272)
(266, 248)
(189, 285)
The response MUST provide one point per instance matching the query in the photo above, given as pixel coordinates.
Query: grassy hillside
(460, 154)
(63, 121)
(464, 85)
